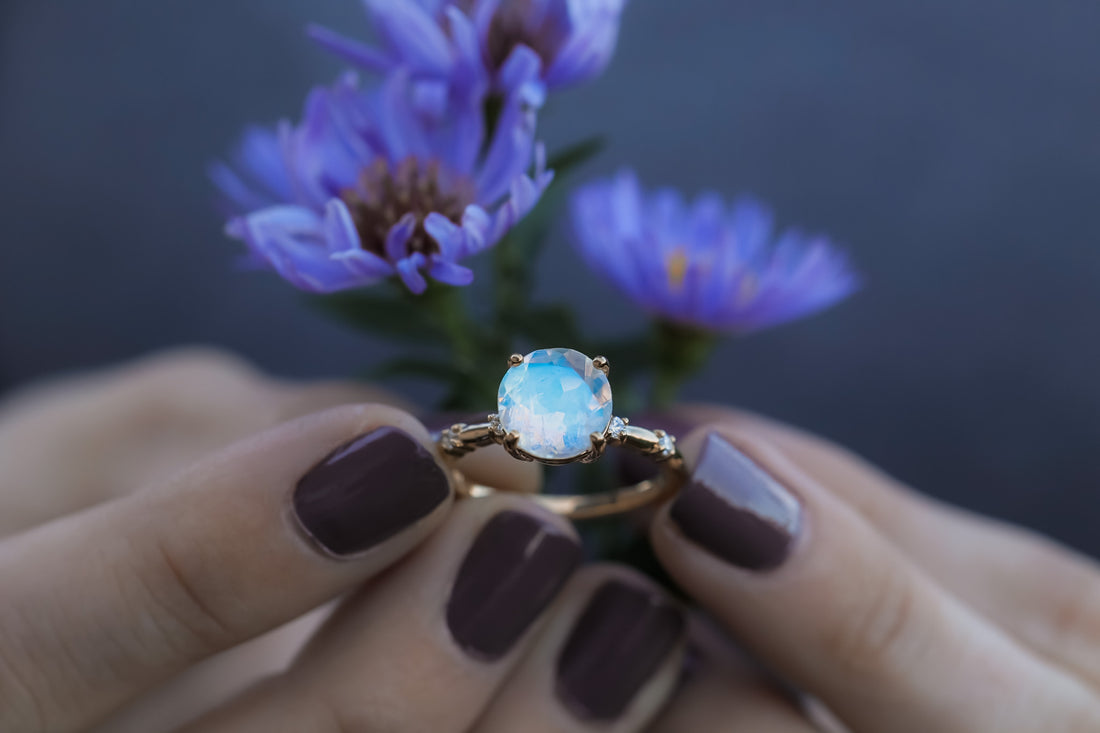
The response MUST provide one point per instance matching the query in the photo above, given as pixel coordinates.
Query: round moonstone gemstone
(555, 400)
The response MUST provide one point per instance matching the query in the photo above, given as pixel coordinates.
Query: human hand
(131, 559)
(868, 609)
(72, 442)
(899, 613)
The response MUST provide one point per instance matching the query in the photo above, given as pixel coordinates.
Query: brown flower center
(510, 27)
(386, 194)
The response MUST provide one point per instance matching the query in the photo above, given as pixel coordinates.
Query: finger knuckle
(21, 707)
(183, 617)
(197, 365)
(185, 390)
(1076, 616)
(880, 631)
(1070, 610)
(1085, 719)
(335, 713)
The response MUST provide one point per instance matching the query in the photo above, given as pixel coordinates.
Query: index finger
(101, 605)
(818, 595)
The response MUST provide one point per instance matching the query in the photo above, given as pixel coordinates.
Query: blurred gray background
(953, 147)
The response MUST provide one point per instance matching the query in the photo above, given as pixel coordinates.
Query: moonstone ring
(554, 406)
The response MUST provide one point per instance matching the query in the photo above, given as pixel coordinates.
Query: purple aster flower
(704, 265)
(397, 180)
(522, 45)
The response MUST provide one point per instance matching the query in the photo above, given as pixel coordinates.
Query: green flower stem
(451, 313)
(511, 282)
(680, 353)
(448, 306)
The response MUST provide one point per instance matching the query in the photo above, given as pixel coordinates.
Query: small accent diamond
(448, 442)
(616, 428)
(667, 445)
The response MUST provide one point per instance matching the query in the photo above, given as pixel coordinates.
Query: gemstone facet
(554, 400)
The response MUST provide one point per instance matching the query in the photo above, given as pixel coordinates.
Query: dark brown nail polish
(617, 644)
(368, 490)
(514, 568)
(735, 510)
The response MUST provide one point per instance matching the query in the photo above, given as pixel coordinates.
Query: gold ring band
(462, 438)
(555, 408)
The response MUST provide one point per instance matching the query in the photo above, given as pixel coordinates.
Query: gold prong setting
(546, 420)
(612, 430)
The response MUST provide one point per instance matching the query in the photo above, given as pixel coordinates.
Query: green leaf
(397, 318)
(564, 161)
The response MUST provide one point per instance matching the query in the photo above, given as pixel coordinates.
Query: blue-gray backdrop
(953, 147)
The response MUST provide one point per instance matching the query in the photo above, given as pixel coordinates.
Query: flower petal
(339, 229)
(399, 132)
(291, 240)
(351, 51)
(322, 157)
(704, 267)
(240, 197)
(587, 51)
(519, 76)
(409, 271)
(509, 153)
(450, 273)
(257, 176)
(477, 223)
(469, 74)
(448, 235)
(345, 247)
(413, 35)
(398, 236)
(430, 98)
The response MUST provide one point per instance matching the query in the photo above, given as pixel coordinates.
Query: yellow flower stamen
(676, 266)
(747, 289)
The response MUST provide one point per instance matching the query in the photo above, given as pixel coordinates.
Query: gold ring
(554, 406)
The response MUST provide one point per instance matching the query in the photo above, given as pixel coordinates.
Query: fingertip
(301, 398)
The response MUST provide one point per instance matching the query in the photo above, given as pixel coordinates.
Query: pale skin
(150, 580)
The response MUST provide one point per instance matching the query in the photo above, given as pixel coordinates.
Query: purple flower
(396, 180)
(703, 265)
(521, 45)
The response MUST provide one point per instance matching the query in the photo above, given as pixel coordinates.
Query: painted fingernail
(617, 644)
(368, 490)
(735, 510)
(514, 568)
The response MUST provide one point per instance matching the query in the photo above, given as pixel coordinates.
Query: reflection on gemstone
(555, 400)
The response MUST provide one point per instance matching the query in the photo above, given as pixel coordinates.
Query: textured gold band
(463, 438)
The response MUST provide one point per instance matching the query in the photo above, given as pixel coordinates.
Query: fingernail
(368, 490)
(735, 510)
(616, 645)
(514, 568)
